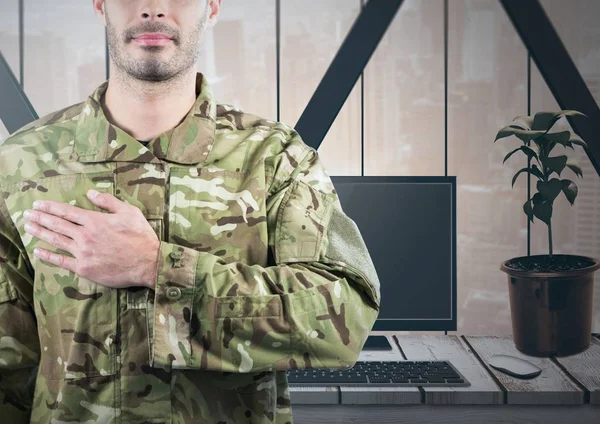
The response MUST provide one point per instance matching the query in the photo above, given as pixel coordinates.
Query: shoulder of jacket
(273, 141)
(47, 122)
(48, 135)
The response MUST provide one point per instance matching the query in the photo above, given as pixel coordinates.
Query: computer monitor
(409, 227)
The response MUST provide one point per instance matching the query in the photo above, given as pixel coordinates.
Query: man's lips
(152, 39)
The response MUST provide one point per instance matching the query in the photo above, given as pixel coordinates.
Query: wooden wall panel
(64, 56)
(312, 31)
(404, 94)
(487, 88)
(239, 57)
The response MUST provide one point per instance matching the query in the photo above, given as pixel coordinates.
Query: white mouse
(514, 366)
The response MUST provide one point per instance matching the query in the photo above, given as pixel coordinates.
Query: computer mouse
(514, 366)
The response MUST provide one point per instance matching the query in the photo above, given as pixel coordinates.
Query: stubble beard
(153, 68)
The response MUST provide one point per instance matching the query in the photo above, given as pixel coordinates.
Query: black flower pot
(551, 303)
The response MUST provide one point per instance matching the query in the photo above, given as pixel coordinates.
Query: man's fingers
(63, 210)
(106, 201)
(53, 223)
(55, 239)
(62, 261)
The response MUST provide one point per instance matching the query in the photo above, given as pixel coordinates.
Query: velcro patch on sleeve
(346, 246)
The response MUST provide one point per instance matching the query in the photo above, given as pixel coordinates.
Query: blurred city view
(404, 127)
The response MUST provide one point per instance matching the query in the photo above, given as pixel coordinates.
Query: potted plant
(550, 295)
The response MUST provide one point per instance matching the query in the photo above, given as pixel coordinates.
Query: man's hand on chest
(116, 249)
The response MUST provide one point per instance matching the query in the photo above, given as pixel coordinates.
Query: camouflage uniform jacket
(259, 271)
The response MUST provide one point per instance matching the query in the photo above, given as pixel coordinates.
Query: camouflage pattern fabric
(260, 271)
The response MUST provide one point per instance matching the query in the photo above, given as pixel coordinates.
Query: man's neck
(145, 109)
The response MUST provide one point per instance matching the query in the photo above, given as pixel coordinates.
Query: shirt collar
(98, 140)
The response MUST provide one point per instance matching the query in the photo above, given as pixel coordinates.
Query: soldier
(163, 257)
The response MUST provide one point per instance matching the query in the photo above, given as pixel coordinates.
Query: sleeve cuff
(173, 303)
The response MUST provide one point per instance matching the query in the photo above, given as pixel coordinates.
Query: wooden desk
(567, 390)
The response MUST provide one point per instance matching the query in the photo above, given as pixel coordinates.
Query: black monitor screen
(408, 224)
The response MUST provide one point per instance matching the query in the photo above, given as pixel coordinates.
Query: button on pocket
(173, 293)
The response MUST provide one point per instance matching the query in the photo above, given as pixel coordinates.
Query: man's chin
(151, 70)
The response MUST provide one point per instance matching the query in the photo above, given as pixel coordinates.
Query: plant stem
(550, 237)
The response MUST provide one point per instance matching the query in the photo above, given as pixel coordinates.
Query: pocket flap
(301, 224)
(7, 291)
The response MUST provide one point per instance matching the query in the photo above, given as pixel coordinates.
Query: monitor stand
(377, 343)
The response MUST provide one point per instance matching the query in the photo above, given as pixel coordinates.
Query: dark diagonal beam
(557, 69)
(346, 67)
(15, 109)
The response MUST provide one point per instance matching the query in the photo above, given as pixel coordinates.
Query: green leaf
(570, 190)
(528, 135)
(537, 198)
(509, 154)
(574, 166)
(534, 170)
(543, 211)
(561, 137)
(505, 132)
(570, 112)
(542, 144)
(523, 121)
(549, 189)
(545, 120)
(524, 135)
(558, 137)
(527, 150)
(537, 171)
(566, 143)
(556, 163)
(528, 209)
(575, 139)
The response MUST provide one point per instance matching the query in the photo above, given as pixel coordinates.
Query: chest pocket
(76, 317)
(220, 212)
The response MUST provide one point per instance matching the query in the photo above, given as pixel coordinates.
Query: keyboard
(383, 373)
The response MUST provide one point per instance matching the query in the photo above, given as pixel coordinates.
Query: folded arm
(313, 308)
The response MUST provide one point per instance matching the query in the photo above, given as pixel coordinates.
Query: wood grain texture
(483, 389)
(551, 387)
(584, 367)
(446, 414)
(313, 395)
(554, 387)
